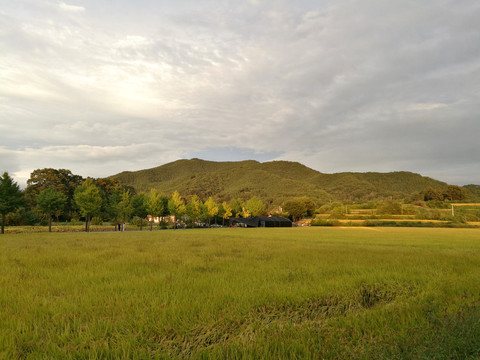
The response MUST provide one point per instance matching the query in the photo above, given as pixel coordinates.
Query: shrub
(436, 204)
(137, 221)
(30, 218)
(75, 221)
(338, 212)
(22, 217)
(14, 218)
(324, 222)
(96, 220)
(390, 207)
(164, 225)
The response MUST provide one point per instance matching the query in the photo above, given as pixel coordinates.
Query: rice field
(299, 293)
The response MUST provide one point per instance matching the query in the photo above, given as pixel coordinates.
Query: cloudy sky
(102, 86)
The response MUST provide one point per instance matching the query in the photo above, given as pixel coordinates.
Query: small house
(262, 221)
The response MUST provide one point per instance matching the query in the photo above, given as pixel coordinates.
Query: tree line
(58, 193)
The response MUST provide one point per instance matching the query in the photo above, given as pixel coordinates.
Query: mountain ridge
(273, 181)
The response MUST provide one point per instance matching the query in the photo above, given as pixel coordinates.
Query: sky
(103, 86)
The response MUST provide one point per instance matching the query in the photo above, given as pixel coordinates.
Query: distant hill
(274, 182)
(474, 191)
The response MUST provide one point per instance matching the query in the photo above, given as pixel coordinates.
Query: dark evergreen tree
(11, 197)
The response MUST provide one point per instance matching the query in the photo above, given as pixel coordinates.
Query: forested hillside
(274, 182)
(474, 191)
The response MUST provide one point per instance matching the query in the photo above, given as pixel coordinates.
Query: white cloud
(341, 85)
(85, 160)
(70, 8)
(425, 106)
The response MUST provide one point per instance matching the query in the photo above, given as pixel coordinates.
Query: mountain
(474, 191)
(273, 182)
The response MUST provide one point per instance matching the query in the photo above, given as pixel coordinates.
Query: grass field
(299, 293)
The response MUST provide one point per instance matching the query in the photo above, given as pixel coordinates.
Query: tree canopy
(11, 197)
(63, 180)
(255, 207)
(212, 208)
(89, 200)
(50, 201)
(176, 205)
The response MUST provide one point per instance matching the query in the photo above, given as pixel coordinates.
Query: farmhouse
(262, 221)
(158, 219)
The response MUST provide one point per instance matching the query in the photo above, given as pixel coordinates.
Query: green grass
(300, 293)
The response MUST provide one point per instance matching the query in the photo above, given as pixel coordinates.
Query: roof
(264, 221)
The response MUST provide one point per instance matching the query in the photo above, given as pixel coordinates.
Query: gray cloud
(340, 85)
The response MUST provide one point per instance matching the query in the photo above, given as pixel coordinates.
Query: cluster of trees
(58, 193)
(449, 193)
(10, 197)
(194, 210)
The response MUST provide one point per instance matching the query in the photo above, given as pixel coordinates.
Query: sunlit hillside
(274, 181)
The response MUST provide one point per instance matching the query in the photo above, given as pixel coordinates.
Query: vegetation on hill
(474, 190)
(274, 182)
(196, 192)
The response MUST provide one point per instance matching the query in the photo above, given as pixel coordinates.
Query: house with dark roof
(262, 221)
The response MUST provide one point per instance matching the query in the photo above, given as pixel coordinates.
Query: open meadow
(292, 293)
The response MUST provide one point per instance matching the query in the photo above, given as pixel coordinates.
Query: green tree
(50, 202)
(309, 205)
(255, 207)
(212, 208)
(237, 207)
(124, 207)
(155, 205)
(454, 192)
(227, 211)
(108, 186)
(61, 179)
(11, 197)
(431, 194)
(88, 199)
(296, 208)
(176, 205)
(139, 204)
(111, 208)
(194, 209)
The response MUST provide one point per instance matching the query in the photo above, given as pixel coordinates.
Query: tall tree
(112, 206)
(61, 179)
(299, 207)
(139, 204)
(255, 207)
(120, 207)
(431, 194)
(237, 207)
(454, 192)
(176, 205)
(11, 197)
(51, 202)
(227, 211)
(89, 200)
(295, 208)
(154, 205)
(194, 209)
(124, 208)
(212, 208)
